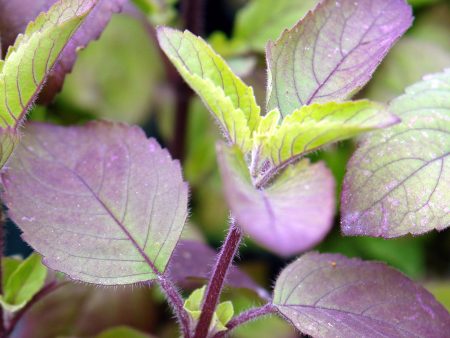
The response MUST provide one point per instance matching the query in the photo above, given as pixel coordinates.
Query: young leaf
(227, 97)
(333, 51)
(190, 267)
(397, 181)
(101, 203)
(15, 16)
(28, 62)
(291, 215)
(326, 295)
(316, 125)
(23, 283)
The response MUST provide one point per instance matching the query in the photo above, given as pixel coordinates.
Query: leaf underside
(333, 51)
(291, 215)
(397, 182)
(327, 295)
(101, 203)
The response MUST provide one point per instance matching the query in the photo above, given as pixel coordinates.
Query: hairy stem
(217, 280)
(176, 301)
(2, 250)
(246, 317)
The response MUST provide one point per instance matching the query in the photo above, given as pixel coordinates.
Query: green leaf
(23, 283)
(264, 20)
(316, 125)
(227, 97)
(29, 61)
(224, 313)
(193, 303)
(9, 265)
(122, 332)
(397, 181)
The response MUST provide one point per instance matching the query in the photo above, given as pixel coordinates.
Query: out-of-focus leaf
(263, 20)
(230, 100)
(29, 61)
(71, 309)
(101, 203)
(440, 290)
(418, 3)
(327, 295)
(191, 265)
(22, 283)
(433, 26)
(289, 216)
(123, 332)
(407, 63)
(9, 265)
(316, 125)
(333, 51)
(397, 181)
(115, 77)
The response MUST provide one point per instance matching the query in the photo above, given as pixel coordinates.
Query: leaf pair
(325, 57)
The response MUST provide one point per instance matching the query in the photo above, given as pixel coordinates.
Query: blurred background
(123, 77)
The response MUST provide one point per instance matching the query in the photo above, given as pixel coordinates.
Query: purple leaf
(101, 203)
(15, 16)
(398, 180)
(333, 51)
(327, 295)
(192, 262)
(291, 215)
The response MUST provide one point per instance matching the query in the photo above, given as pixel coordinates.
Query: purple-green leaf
(101, 203)
(333, 51)
(15, 16)
(327, 295)
(398, 181)
(291, 214)
(191, 265)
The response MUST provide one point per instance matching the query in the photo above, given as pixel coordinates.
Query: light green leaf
(122, 332)
(23, 283)
(397, 182)
(264, 20)
(9, 265)
(227, 97)
(224, 313)
(29, 61)
(193, 304)
(316, 125)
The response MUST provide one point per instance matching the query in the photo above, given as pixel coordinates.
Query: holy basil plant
(104, 204)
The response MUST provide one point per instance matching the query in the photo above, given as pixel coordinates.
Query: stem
(2, 250)
(246, 317)
(217, 281)
(176, 301)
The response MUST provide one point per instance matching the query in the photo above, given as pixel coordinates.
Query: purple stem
(217, 281)
(246, 317)
(176, 301)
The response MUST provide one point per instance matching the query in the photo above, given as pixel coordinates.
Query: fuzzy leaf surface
(397, 182)
(15, 16)
(333, 51)
(317, 125)
(329, 295)
(230, 100)
(289, 216)
(28, 62)
(101, 203)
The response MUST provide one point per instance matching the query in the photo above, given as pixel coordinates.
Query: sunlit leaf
(101, 203)
(227, 97)
(292, 214)
(28, 62)
(316, 125)
(326, 295)
(23, 283)
(333, 51)
(397, 181)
